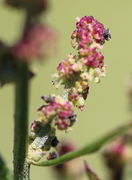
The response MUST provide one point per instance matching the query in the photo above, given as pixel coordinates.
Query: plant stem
(91, 148)
(21, 121)
(117, 174)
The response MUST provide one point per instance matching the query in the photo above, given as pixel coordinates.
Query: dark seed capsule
(54, 142)
(41, 107)
(48, 99)
(72, 119)
(85, 93)
(107, 35)
(36, 126)
(52, 155)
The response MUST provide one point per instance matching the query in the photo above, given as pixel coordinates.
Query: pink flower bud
(35, 43)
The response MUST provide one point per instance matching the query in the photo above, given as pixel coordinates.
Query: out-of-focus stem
(21, 122)
(117, 174)
(91, 148)
(5, 173)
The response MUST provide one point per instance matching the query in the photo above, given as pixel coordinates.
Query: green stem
(21, 121)
(91, 148)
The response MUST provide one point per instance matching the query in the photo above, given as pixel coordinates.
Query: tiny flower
(84, 21)
(84, 76)
(77, 67)
(36, 126)
(65, 68)
(34, 154)
(95, 60)
(81, 38)
(77, 98)
(62, 124)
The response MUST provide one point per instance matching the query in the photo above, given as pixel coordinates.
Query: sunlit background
(107, 104)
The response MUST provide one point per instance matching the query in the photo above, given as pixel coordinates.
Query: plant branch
(91, 148)
(21, 120)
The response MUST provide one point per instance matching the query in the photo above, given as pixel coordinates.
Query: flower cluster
(41, 142)
(59, 111)
(35, 43)
(89, 32)
(76, 71)
(56, 114)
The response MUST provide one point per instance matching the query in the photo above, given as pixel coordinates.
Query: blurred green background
(107, 104)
